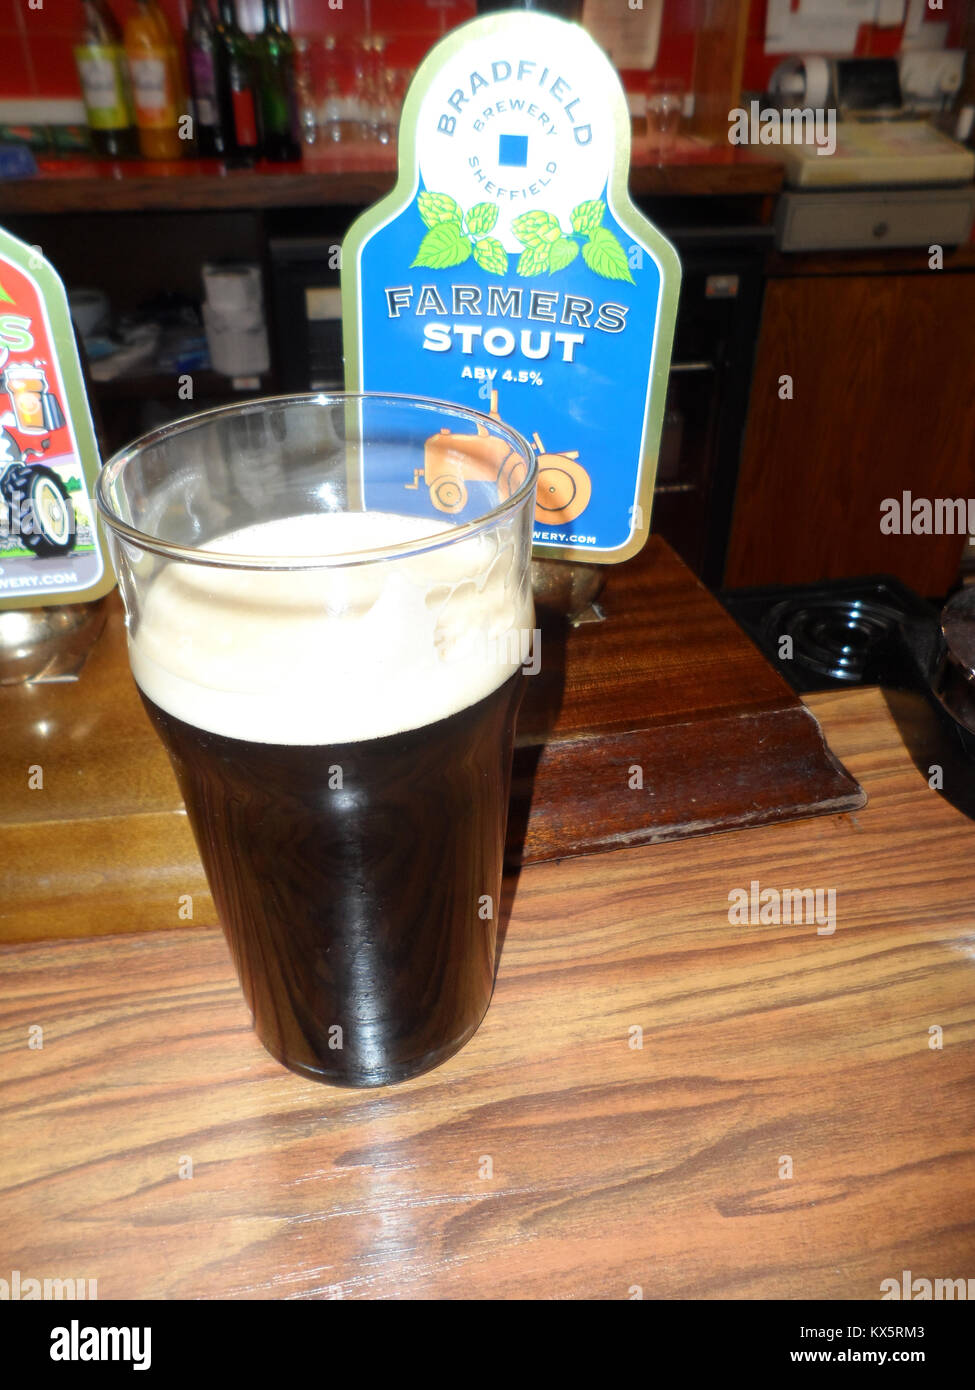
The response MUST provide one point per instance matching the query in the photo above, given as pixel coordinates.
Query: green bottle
(275, 52)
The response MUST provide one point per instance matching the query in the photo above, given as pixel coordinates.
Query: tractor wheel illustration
(564, 487)
(451, 460)
(449, 495)
(46, 515)
(514, 470)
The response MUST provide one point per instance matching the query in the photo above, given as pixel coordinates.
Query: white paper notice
(630, 37)
(890, 13)
(817, 11)
(818, 26)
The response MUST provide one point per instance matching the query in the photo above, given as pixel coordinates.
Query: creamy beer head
(333, 655)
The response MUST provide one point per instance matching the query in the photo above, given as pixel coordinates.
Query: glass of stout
(329, 614)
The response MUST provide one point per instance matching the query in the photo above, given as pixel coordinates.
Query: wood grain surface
(719, 57)
(610, 1167)
(668, 683)
(669, 688)
(356, 175)
(882, 404)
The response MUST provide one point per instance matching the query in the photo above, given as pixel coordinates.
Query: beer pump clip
(53, 560)
(509, 271)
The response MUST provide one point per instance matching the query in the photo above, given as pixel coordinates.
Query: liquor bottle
(157, 82)
(206, 63)
(275, 52)
(240, 79)
(105, 83)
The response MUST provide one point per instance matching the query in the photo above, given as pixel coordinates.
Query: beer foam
(332, 655)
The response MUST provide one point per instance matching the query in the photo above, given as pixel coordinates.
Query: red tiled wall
(36, 57)
(675, 56)
(35, 49)
(36, 45)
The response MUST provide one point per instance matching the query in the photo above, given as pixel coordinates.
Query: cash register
(893, 179)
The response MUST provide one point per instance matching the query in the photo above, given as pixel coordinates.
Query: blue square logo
(513, 151)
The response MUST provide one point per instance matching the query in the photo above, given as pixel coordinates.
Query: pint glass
(26, 385)
(329, 606)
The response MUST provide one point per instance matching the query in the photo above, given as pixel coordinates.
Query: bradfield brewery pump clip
(509, 271)
(51, 547)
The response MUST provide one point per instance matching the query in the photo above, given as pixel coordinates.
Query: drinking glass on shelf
(363, 68)
(376, 87)
(331, 110)
(665, 105)
(305, 90)
(388, 107)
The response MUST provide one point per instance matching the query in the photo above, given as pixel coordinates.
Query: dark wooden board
(670, 685)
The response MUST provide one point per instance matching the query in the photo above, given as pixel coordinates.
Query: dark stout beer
(342, 739)
(357, 884)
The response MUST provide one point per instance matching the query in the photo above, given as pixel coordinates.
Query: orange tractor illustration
(452, 460)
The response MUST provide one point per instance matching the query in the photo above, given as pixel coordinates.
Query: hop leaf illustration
(536, 228)
(438, 207)
(491, 255)
(603, 254)
(453, 239)
(534, 259)
(5, 298)
(562, 253)
(482, 218)
(586, 217)
(444, 245)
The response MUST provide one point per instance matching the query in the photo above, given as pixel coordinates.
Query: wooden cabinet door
(883, 402)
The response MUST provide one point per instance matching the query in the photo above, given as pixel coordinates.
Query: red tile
(14, 70)
(449, 13)
(757, 15)
(675, 58)
(417, 16)
(38, 25)
(682, 17)
(176, 11)
(54, 66)
(407, 51)
(873, 42)
(314, 18)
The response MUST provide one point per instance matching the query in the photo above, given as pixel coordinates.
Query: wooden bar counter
(790, 1126)
(356, 173)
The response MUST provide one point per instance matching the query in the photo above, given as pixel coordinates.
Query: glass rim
(446, 535)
